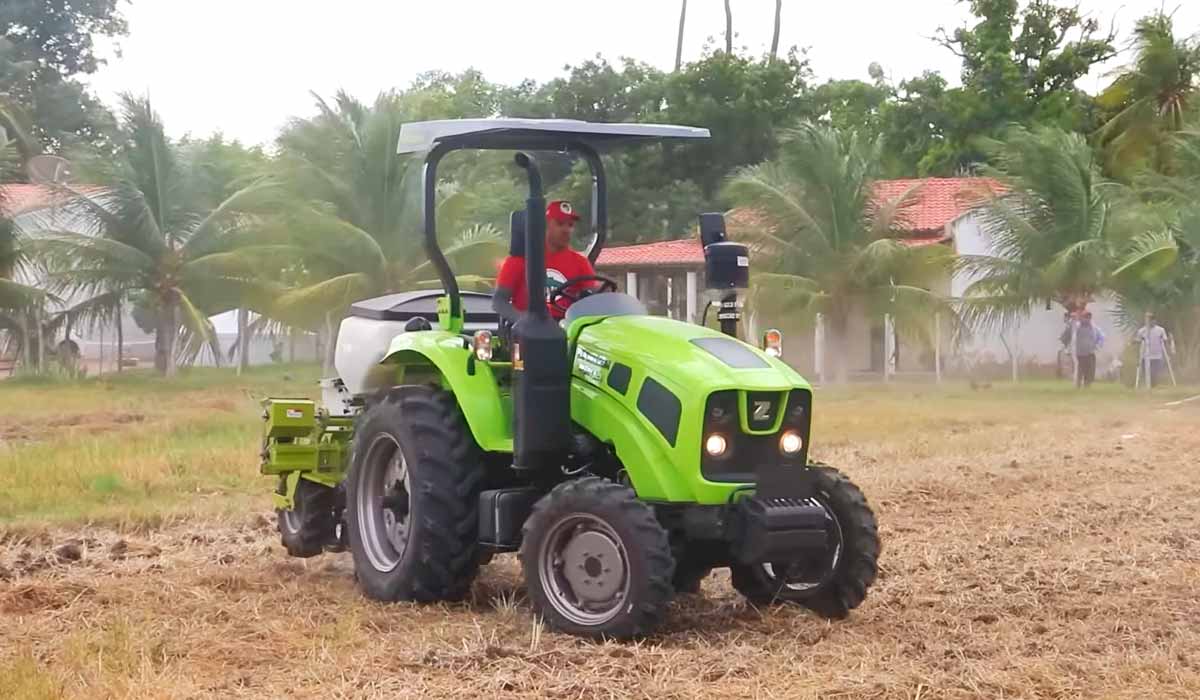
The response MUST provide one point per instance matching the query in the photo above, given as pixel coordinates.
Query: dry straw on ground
(1030, 550)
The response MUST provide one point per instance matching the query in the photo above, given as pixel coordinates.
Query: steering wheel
(562, 291)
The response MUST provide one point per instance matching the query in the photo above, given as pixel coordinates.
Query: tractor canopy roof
(533, 134)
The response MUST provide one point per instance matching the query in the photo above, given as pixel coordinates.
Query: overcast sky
(244, 66)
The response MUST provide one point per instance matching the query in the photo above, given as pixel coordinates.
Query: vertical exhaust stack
(726, 269)
(542, 386)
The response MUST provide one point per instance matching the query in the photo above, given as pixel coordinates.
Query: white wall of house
(1036, 339)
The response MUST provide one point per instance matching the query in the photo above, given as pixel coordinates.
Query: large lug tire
(307, 528)
(597, 562)
(842, 578)
(412, 498)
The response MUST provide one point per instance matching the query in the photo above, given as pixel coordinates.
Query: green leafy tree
(1018, 66)
(1060, 233)
(826, 246)
(918, 128)
(1151, 98)
(151, 233)
(744, 103)
(22, 305)
(45, 46)
(1175, 295)
(353, 228)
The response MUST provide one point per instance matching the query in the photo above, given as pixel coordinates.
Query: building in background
(668, 277)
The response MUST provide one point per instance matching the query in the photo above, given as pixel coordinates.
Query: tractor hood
(687, 358)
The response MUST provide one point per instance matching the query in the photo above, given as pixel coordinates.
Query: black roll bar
(599, 211)
(429, 215)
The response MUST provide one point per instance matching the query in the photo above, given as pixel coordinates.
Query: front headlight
(716, 445)
(790, 443)
(483, 345)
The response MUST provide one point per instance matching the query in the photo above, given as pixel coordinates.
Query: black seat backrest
(516, 244)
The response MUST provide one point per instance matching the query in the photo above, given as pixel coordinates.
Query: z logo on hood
(762, 411)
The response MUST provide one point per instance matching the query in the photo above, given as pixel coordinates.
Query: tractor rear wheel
(412, 498)
(833, 584)
(597, 562)
(310, 524)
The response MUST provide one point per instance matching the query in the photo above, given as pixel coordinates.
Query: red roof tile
(937, 202)
(19, 198)
(685, 251)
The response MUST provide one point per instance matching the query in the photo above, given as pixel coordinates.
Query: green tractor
(623, 455)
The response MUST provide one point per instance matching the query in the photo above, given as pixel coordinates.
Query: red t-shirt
(560, 267)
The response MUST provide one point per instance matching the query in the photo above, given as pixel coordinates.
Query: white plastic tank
(362, 344)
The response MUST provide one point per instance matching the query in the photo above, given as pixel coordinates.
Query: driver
(562, 264)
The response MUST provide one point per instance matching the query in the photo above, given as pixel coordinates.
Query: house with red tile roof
(668, 277)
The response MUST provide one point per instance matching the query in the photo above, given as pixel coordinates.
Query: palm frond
(1148, 256)
(94, 311)
(197, 332)
(302, 306)
(256, 197)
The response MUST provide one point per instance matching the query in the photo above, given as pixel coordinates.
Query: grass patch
(135, 447)
(23, 678)
(1037, 542)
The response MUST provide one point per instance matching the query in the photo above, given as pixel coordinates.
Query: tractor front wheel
(835, 582)
(412, 498)
(597, 562)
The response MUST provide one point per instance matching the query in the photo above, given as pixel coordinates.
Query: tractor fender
(443, 357)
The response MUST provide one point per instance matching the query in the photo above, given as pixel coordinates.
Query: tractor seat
(406, 306)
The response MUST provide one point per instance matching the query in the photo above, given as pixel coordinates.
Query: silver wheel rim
(790, 581)
(584, 569)
(291, 520)
(384, 503)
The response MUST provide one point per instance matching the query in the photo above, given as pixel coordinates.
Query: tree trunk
(27, 340)
(41, 339)
(330, 344)
(120, 340)
(728, 29)
(164, 340)
(243, 318)
(775, 36)
(679, 41)
(837, 346)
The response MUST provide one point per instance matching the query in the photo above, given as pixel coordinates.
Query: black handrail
(599, 200)
(429, 214)
(599, 214)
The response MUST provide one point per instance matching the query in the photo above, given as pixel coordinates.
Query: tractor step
(502, 513)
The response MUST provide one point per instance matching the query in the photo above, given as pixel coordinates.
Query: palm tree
(826, 246)
(728, 29)
(1059, 232)
(775, 34)
(1175, 295)
(1152, 97)
(22, 306)
(355, 225)
(679, 40)
(148, 234)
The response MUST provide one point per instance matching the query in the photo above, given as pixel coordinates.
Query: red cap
(561, 210)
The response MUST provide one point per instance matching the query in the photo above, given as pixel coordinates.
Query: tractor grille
(749, 455)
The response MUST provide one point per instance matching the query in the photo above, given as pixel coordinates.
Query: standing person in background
(1085, 339)
(1153, 340)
